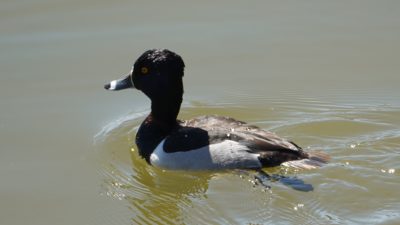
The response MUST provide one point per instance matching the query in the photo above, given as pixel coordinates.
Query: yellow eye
(144, 70)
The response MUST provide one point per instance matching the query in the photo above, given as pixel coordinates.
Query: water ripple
(362, 140)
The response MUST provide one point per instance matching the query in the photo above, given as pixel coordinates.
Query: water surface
(324, 74)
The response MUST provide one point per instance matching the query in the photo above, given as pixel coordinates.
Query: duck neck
(161, 121)
(165, 111)
(165, 106)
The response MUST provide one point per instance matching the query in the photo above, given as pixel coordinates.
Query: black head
(157, 72)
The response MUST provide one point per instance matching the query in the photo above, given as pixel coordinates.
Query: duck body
(201, 143)
(213, 143)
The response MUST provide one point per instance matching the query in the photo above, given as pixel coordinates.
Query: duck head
(158, 74)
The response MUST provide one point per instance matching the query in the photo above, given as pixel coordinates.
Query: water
(323, 74)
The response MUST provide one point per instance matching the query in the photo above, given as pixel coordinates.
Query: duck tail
(313, 160)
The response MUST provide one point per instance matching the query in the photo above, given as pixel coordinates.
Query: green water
(324, 74)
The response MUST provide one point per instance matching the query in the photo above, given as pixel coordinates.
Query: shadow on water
(293, 182)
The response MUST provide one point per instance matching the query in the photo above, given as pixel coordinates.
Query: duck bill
(120, 84)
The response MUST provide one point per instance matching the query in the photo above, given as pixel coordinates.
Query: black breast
(149, 135)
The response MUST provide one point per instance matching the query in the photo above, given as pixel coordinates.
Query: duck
(209, 142)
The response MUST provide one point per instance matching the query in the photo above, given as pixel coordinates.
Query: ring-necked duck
(202, 143)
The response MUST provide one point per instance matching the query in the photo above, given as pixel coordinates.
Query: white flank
(113, 85)
(224, 155)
